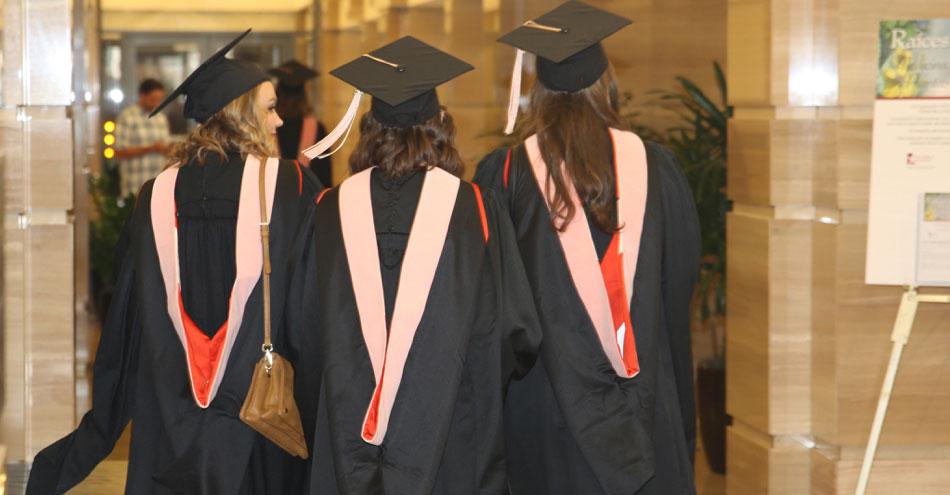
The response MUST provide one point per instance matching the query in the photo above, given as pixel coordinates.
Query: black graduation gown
(140, 371)
(573, 425)
(478, 329)
(288, 137)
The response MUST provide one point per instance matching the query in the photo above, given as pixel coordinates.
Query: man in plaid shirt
(141, 141)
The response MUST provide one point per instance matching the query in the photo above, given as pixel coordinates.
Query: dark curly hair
(398, 152)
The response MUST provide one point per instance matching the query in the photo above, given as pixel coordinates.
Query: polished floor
(109, 477)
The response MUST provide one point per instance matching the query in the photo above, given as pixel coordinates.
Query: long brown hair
(241, 127)
(400, 151)
(573, 129)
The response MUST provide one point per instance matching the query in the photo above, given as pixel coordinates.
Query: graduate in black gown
(423, 310)
(610, 241)
(184, 329)
(301, 127)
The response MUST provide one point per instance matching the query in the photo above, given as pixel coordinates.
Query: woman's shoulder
(497, 167)
(141, 211)
(144, 196)
(299, 177)
(494, 158)
(658, 150)
(662, 161)
(662, 158)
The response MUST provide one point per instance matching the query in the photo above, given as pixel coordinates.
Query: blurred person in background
(141, 142)
(301, 127)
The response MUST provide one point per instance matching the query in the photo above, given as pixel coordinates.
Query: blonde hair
(241, 126)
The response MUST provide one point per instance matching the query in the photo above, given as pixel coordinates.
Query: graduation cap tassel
(342, 130)
(514, 96)
(543, 27)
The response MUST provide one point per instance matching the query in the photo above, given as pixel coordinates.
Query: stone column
(781, 90)
(38, 250)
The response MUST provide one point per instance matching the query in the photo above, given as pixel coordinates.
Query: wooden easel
(900, 336)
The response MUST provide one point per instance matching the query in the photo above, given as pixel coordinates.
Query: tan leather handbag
(270, 407)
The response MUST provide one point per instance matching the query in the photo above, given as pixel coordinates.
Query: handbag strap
(267, 347)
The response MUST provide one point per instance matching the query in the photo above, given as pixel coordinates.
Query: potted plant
(109, 216)
(699, 142)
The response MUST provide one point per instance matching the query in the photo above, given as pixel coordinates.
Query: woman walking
(424, 312)
(183, 334)
(609, 237)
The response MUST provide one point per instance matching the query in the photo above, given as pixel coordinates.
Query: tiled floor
(109, 477)
(708, 482)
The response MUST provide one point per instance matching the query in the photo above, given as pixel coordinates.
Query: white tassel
(514, 96)
(342, 129)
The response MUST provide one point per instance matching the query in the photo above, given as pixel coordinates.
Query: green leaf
(699, 142)
(721, 83)
(701, 101)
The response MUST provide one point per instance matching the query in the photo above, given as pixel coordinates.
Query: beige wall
(201, 16)
(668, 38)
(808, 341)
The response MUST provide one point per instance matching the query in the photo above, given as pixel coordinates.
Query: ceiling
(205, 5)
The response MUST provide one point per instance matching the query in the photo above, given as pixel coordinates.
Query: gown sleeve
(65, 463)
(681, 252)
(301, 324)
(491, 172)
(516, 311)
(300, 314)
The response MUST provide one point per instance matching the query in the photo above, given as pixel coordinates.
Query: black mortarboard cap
(215, 83)
(567, 43)
(293, 74)
(402, 77)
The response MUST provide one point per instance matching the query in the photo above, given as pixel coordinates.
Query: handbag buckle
(268, 357)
